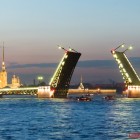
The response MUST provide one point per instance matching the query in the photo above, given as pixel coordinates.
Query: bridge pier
(45, 92)
(133, 95)
(61, 94)
(133, 91)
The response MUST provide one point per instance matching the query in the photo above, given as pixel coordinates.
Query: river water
(66, 119)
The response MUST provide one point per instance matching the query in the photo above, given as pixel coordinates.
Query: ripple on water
(58, 119)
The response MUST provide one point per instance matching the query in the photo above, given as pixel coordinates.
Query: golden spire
(81, 79)
(81, 86)
(3, 64)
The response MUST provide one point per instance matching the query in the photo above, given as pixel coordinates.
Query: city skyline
(32, 30)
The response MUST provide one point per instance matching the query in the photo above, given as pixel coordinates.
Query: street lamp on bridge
(40, 78)
(70, 49)
(129, 48)
(121, 46)
(62, 48)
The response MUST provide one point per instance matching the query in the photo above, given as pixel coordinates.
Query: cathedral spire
(81, 86)
(81, 79)
(3, 63)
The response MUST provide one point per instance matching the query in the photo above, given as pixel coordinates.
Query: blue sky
(32, 29)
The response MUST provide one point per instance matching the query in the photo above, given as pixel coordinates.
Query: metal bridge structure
(59, 82)
(129, 74)
(19, 91)
(61, 79)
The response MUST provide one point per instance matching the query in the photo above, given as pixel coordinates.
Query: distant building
(81, 86)
(3, 76)
(3, 73)
(15, 82)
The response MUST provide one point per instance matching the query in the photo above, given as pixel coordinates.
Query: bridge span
(59, 83)
(19, 91)
(129, 75)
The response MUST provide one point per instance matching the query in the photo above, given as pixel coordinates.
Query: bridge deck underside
(127, 69)
(64, 74)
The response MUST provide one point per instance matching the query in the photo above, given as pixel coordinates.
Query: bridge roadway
(19, 91)
(34, 91)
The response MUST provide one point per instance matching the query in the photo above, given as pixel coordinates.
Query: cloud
(82, 64)
(96, 63)
(87, 63)
(91, 70)
(40, 65)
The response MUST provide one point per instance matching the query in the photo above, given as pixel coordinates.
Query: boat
(109, 97)
(83, 98)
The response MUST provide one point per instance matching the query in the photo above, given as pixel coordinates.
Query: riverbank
(92, 91)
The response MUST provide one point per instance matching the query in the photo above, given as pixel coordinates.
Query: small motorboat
(109, 97)
(83, 98)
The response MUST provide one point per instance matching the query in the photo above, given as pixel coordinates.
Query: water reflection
(57, 119)
(122, 117)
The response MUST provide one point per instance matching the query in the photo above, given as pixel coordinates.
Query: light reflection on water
(59, 119)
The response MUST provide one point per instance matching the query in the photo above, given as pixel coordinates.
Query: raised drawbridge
(59, 83)
(62, 76)
(129, 74)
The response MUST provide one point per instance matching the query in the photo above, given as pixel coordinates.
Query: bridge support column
(45, 92)
(61, 93)
(133, 94)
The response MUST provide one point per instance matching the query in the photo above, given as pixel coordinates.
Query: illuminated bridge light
(115, 56)
(59, 66)
(127, 74)
(124, 78)
(63, 63)
(113, 51)
(118, 60)
(66, 56)
(130, 80)
(124, 70)
(121, 65)
(132, 67)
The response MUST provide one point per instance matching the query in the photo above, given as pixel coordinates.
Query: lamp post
(70, 49)
(122, 46)
(62, 48)
(129, 48)
(39, 78)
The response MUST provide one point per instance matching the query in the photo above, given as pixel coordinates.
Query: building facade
(3, 73)
(15, 82)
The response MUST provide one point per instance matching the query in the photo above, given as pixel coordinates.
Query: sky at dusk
(32, 29)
